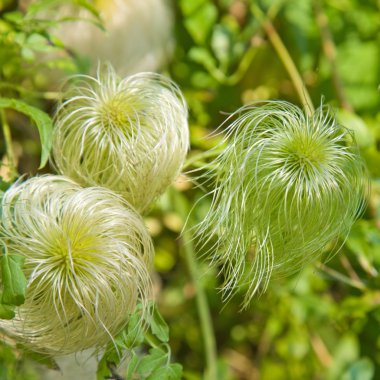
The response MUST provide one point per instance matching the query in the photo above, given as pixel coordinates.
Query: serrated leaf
(132, 335)
(6, 311)
(13, 279)
(170, 372)
(132, 366)
(155, 359)
(40, 118)
(158, 325)
(103, 371)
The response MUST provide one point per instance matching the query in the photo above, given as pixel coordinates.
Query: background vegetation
(323, 323)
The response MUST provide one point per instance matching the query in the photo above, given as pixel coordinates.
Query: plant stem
(8, 145)
(330, 53)
(286, 59)
(197, 159)
(203, 309)
(340, 277)
(151, 339)
(201, 298)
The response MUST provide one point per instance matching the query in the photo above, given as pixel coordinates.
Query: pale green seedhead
(129, 135)
(87, 260)
(286, 185)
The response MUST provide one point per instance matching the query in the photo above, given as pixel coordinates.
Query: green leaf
(202, 56)
(201, 21)
(170, 372)
(132, 366)
(40, 6)
(4, 185)
(158, 325)
(221, 44)
(40, 118)
(132, 335)
(6, 311)
(13, 278)
(103, 371)
(15, 17)
(149, 363)
(189, 7)
(43, 5)
(352, 121)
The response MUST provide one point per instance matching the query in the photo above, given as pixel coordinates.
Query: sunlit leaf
(13, 280)
(41, 120)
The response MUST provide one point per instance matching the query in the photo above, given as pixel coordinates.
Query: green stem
(8, 145)
(151, 339)
(340, 277)
(201, 298)
(197, 159)
(329, 49)
(203, 309)
(286, 59)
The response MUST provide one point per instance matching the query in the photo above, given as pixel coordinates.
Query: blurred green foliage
(322, 324)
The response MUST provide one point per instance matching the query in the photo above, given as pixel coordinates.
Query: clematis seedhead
(87, 259)
(129, 135)
(287, 185)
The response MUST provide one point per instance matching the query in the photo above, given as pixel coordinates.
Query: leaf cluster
(143, 344)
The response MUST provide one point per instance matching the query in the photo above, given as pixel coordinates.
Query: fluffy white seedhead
(286, 185)
(137, 37)
(128, 135)
(87, 260)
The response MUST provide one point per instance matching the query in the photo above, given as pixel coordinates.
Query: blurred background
(323, 323)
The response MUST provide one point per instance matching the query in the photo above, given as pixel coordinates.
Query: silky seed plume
(129, 135)
(87, 260)
(286, 185)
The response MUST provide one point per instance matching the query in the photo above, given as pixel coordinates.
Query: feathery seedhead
(128, 135)
(287, 185)
(87, 260)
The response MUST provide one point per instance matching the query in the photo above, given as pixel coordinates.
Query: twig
(201, 298)
(340, 277)
(330, 53)
(349, 269)
(321, 350)
(285, 58)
